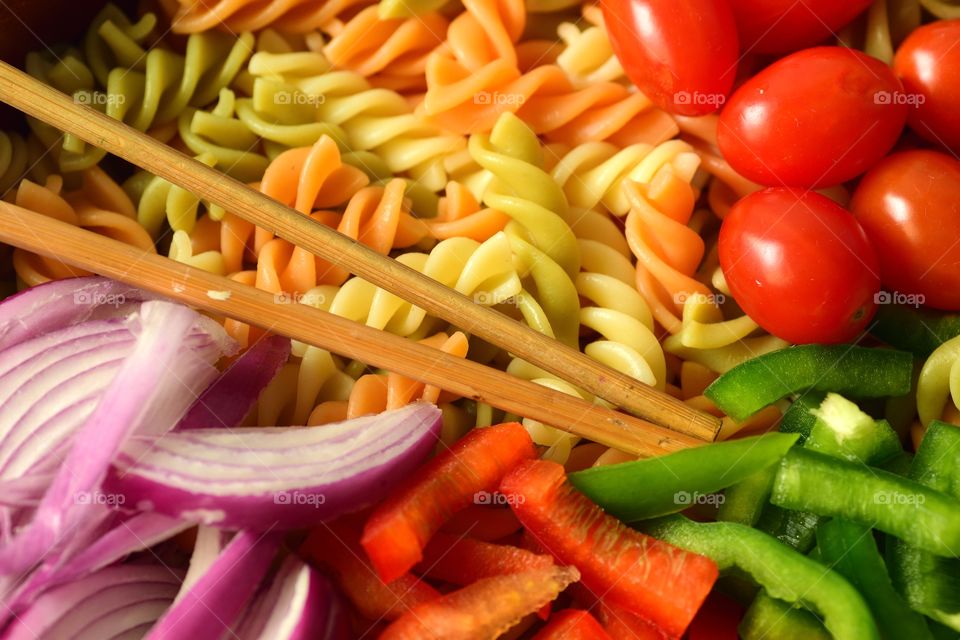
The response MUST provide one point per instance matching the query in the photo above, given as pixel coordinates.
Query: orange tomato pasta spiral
(390, 53)
(480, 72)
(293, 16)
(99, 205)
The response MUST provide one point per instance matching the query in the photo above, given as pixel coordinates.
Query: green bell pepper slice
(930, 583)
(854, 371)
(814, 482)
(850, 549)
(919, 331)
(769, 618)
(652, 487)
(782, 571)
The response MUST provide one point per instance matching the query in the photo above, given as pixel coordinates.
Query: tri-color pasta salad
(750, 205)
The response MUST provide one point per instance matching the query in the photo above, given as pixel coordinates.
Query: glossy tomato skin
(909, 205)
(783, 26)
(682, 54)
(927, 63)
(816, 118)
(800, 265)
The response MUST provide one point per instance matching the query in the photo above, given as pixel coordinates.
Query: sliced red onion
(212, 604)
(293, 477)
(130, 535)
(105, 604)
(160, 372)
(227, 401)
(61, 303)
(299, 604)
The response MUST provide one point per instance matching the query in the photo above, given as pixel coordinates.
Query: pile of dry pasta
(496, 146)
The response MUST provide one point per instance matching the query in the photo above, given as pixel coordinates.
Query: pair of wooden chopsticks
(680, 424)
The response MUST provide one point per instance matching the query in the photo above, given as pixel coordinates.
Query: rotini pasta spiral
(939, 382)
(143, 88)
(587, 56)
(595, 173)
(99, 205)
(479, 74)
(296, 99)
(292, 16)
(390, 53)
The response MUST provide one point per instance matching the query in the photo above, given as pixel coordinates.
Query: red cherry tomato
(927, 63)
(800, 265)
(782, 26)
(909, 205)
(680, 53)
(815, 118)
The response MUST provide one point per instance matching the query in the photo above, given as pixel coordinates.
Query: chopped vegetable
(647, 577)
(922, 516)
(86, 391)
(337, 547)
(208, 605)
(915, 329)
(484, 609)
(855, 371)
(228, 400)
(620, 623)
(482, 522)
(400, 527)
(461, 560)
(299, 604)
(769, 618)
(572, 624)
(782, 571)
(666, 484)
(799, 418)
(261, 478)
(929, 583)
(850, 550)
(109, 603)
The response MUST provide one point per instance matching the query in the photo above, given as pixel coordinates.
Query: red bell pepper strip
(337, 548)
(620, 623)
(461, 560)
(572, 624)
(647, 577)
(484, 609)
(401, 526)
(483, 523)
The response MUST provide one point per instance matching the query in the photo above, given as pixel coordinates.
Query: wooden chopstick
(40, 234)
(58, 110)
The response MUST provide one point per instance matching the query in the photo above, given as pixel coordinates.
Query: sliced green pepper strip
(784, 573)
(929, 583)
(843, 431)
(854, 371)
(666, 484)
(849, 549)
(799, 418)
(919, 331)
(744, 502)
(769, 618)
(810, 481)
